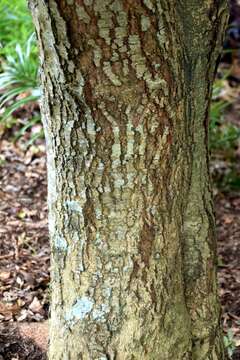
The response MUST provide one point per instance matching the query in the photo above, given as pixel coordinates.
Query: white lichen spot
(51, 223)
(98, 213)
(60, 243)
(119, 183)
(83, 145)
(100, 167)
(80, 309)
(108, 292)
(74, 206)
(100, 313)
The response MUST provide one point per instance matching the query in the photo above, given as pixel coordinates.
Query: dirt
(14, 346)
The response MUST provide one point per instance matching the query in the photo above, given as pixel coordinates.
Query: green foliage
(18, 81)
(222, 135)
(224, 139)
(15, 25)
(229, 343)
(19, 67)
(19, 77)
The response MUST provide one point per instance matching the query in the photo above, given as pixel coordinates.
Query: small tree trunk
(126, 89)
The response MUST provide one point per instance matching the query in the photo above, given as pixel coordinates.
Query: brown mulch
(228, 235)
(24, 252)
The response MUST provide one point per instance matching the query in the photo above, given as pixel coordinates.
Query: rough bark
(126, 88)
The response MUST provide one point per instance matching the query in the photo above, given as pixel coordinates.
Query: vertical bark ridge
(202, 48)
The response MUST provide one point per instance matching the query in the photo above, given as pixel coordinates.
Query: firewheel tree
(125, 97)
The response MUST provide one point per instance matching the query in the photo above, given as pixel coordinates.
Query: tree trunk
(126, 89)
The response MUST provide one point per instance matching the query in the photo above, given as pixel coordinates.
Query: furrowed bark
(126, 90)
(201, 53)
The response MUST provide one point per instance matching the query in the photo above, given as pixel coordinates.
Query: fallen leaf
(35, 305)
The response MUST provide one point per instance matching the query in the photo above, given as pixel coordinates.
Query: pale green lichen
(82, 14)
(125, 67)
(130, 141)
(107, 69)
(121, 31)
(138, 60)
(104, 22)
(149, 5)
(140, 65)
(145, 23)
(88, 2)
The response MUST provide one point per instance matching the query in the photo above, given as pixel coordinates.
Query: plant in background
(229, 343)
(18, 81)
(15, 26)
(218, 105)
(19, 91)
(19, 86)
(224, 137)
